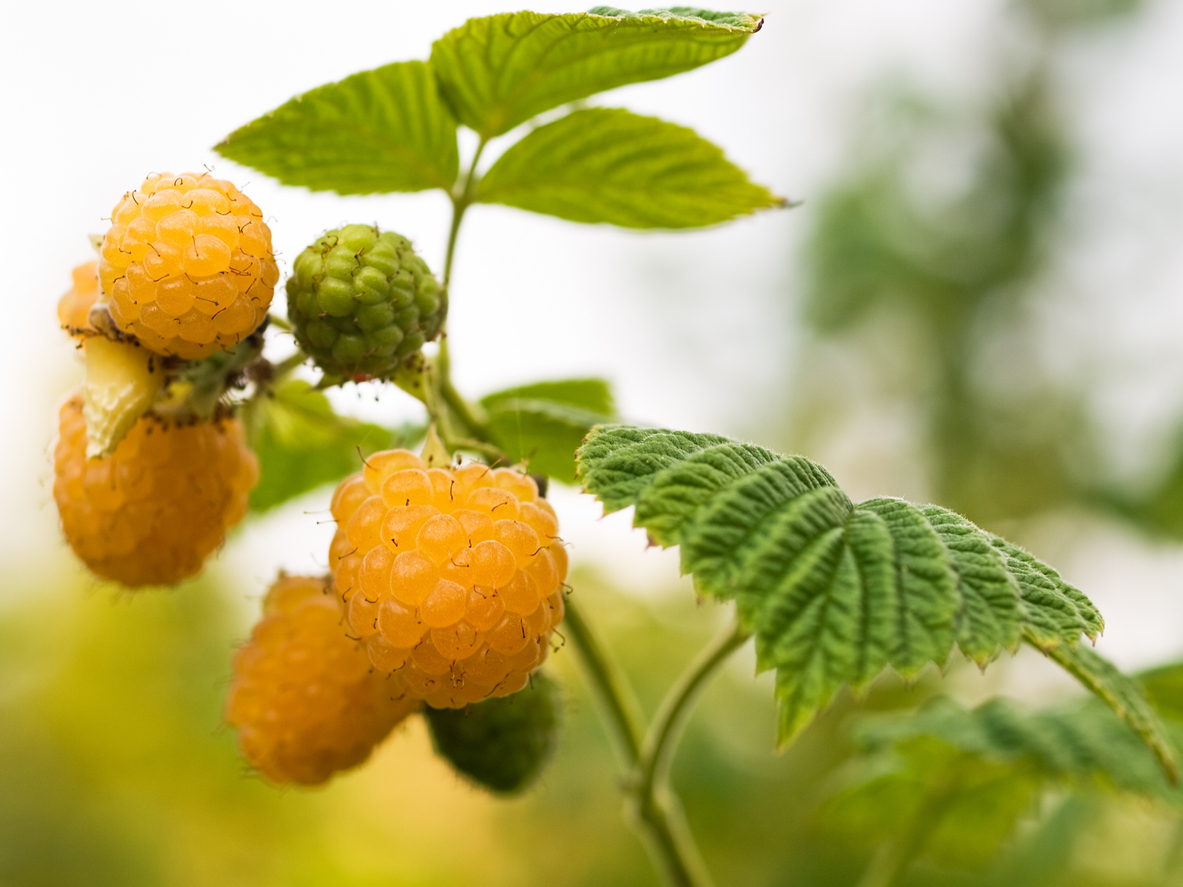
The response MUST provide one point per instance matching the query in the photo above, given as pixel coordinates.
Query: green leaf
(501, 744)
(610, 165)
(835, 592)
(1082, 745)
(954, 782)
(545, 423)
(1124, 695)
(373, 132)
(302, 443)
(937, 800)
(1164, 688)
(500, 70)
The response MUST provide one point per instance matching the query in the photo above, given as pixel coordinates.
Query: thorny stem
(652, 808)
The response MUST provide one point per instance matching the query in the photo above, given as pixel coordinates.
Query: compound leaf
(545, 422)
(834, 591)
(302, 443)
(500, 70)
(373, 132)
(610, 165)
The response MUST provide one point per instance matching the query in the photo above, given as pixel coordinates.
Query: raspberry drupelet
(452, 577)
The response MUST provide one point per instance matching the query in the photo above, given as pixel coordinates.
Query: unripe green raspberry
(501, 743)
(361, 302)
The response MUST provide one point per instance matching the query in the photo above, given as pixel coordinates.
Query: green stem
(289, 363)
(652, 808)
(655, 804)
(663, 735)
(466, 412)
(609, 686)
(461, 200)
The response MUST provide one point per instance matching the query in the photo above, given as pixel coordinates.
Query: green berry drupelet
(361, 302)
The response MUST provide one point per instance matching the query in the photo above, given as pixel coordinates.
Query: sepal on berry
(121, 383)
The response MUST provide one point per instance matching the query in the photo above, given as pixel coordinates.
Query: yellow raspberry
(152, 511)
(304, 699)
(452, 577)
(187, 266)
(74, 307)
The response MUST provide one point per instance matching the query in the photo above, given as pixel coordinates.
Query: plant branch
(461, 200)
(609, 686)
(654, 804)
(653, 809)
(288, 364)
(663, 735)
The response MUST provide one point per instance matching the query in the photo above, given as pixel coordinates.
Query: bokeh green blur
(924, 308)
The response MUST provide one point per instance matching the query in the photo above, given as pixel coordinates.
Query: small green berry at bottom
(501, 743)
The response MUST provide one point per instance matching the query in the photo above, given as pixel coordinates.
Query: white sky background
(691, 328)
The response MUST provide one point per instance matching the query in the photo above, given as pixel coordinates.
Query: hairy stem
(461, 200)
(474, 427)
(289, 363)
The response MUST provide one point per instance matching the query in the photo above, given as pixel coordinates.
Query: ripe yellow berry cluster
(152, 511)
(446, 583)
(187, 270)
(452, 577)
(187, 266)
(305, 700)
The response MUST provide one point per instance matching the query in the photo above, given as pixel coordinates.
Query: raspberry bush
(448, 575)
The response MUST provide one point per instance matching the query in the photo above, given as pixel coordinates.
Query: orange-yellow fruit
(187, 266)
(305, 700)
(74, 307)
(152, 511)
(452, 577)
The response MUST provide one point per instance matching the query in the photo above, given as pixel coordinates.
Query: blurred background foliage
(923, 292)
